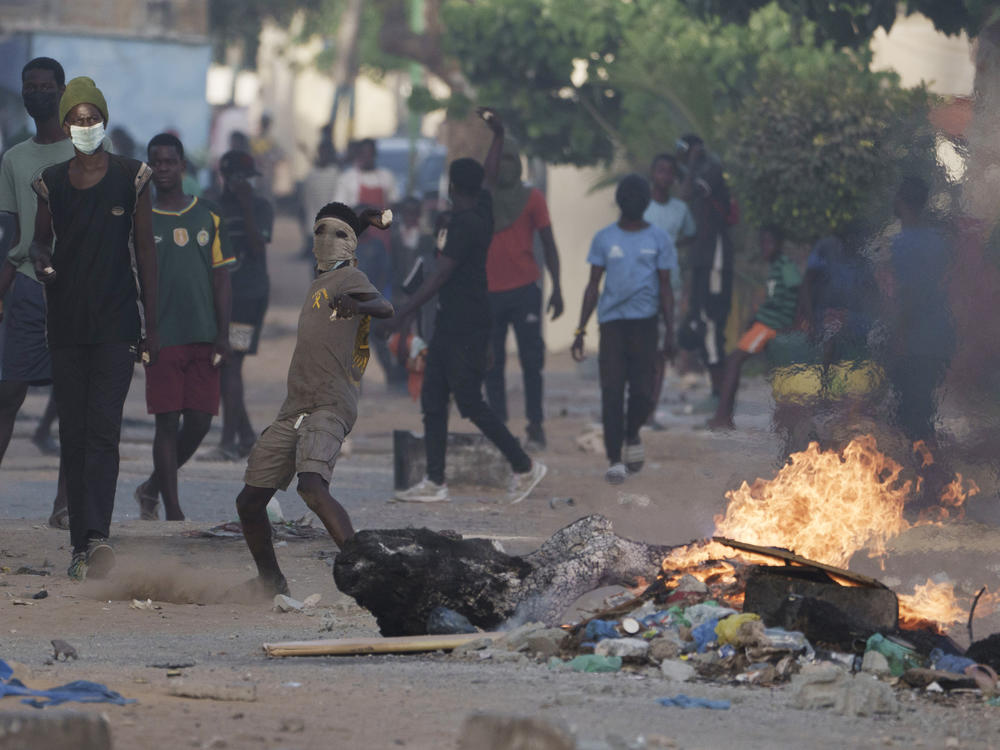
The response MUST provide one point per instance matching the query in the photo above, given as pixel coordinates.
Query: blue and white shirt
(631, 262)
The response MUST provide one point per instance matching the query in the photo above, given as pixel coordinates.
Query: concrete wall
(918, 52)
(150, 85)
(577, 214)
(132, 17)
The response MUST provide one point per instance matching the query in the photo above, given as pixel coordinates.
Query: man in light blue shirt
(637, 259)
(673, 216)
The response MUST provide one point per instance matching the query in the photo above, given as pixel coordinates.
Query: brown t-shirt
(330, 355)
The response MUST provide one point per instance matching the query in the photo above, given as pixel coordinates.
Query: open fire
(827, 506)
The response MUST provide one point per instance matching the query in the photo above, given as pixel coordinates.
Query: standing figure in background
(364, 183)
(922, 333)
(673, 216)
(25, 352)
(513, 276)
(637, 259)
(100, 278)
(318, 189)
(193, 302)
(267, 156)
(249, 220)
(705, 191)
(776, 314)
(459, 350)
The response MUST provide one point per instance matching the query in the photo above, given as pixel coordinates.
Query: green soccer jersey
(783, 282)
(190, 245)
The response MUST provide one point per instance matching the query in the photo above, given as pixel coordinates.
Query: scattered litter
(63, 649)
(684, 701)
(43, 594)
(561, 502)
(173, 665)
(284, 603)
(595, 663)
(291, 684)
(145, 606)
(297, 530)
(591, 440)
(327, 622)
(247, 693)
(22, 603)
(26, 570)
(78, 691)
(311, 601)
(639, 501)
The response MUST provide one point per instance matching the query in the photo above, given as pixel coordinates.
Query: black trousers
(522, 309)
(90, 385)
(456, 365)
(915, 379)
(626, 355)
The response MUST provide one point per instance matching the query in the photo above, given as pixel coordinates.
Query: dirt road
(390, 701)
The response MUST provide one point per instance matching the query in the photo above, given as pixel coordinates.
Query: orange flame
(930, 603)
(827, 506)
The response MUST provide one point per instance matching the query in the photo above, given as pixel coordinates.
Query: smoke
(168, 581)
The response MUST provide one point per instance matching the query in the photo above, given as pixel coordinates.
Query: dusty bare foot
(720, 424)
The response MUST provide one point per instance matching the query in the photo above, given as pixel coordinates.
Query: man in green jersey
(193, 304)
(777, 313)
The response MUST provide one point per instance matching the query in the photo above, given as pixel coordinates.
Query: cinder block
(471, 459)
(53, 730)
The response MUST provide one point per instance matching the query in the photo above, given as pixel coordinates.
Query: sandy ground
(414, 701)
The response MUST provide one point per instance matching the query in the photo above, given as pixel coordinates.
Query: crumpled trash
(704, 635)
(595, 663)
(900, 656)
(598, 630)
(728, 629)
(444, 621)
(79, 691)
(684, 701)
(950, 662)
(789, 640)
(700, 613)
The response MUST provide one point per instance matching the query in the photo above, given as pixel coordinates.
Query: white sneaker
(424, 491)
(521, 485)
(617, 474)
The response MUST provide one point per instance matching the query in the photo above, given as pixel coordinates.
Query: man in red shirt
(515, 294)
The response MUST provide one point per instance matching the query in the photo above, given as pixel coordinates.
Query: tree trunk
(400, 575)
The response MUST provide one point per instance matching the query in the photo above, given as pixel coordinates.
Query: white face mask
(87, 140)
(337, 243)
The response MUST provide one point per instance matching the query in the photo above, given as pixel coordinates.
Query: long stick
(972, 612)
(398, 645)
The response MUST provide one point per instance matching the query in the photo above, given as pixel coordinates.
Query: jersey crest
(180, 236)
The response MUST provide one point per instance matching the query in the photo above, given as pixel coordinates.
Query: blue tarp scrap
(684, 701)
(79, 691)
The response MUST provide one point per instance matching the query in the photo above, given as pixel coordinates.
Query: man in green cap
(100, 278)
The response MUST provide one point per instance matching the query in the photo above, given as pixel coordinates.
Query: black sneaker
(536, 439)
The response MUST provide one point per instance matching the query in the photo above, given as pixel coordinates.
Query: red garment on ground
(510, 263)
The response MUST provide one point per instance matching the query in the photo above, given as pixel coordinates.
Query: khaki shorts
(282, 451)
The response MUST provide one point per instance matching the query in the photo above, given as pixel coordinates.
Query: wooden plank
(791, 557)
(397, 645)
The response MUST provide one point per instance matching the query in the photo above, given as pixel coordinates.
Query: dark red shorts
(183, 378)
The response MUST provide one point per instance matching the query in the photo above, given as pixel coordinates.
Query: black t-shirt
(463, 306)
(94, 298)
(249, 275)
(710, 206)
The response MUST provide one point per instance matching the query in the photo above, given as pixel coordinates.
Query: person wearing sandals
(182, 389)
(635, 259)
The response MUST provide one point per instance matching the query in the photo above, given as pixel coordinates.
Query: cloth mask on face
(337, 243)
(41, 105)
(87, 140)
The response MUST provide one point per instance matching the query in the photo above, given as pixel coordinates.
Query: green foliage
(519, 54)
(816, 154)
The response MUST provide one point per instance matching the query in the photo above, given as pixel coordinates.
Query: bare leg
(44, 430)
(165, 462)
(316, 492)
(727, 396)
(193, 428)
(717, 374)
(251, 504)
(11, 397)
